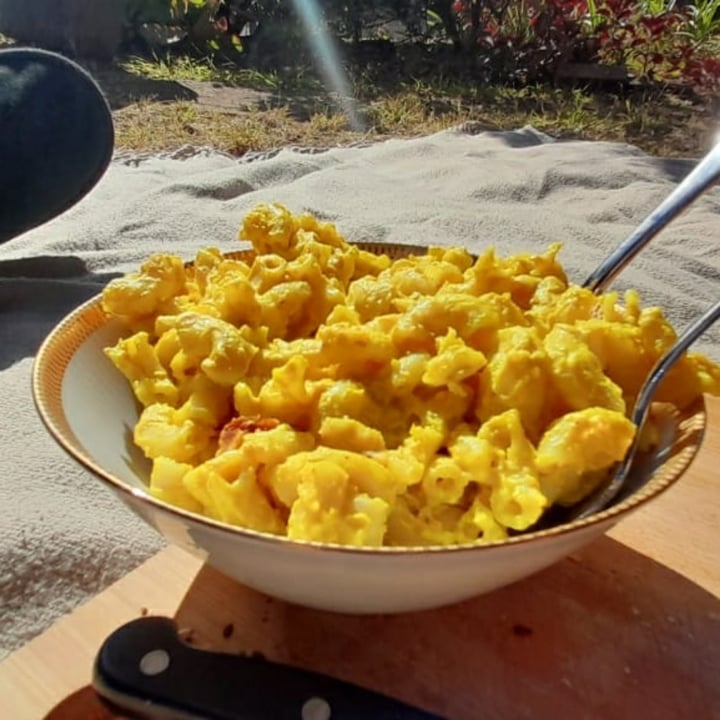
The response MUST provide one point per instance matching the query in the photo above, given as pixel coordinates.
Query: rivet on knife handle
(144, 667)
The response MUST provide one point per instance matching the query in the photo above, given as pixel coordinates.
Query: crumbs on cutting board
(228, 630)
(521, 630)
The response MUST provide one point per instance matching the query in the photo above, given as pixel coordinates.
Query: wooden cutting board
(629, 627)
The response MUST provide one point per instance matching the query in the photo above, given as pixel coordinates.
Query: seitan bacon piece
(232, 433)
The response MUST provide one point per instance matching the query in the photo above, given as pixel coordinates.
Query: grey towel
(64, 536)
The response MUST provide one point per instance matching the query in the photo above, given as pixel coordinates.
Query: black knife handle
(144, 667)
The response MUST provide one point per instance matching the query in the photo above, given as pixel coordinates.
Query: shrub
(518, 40)
(530, 39)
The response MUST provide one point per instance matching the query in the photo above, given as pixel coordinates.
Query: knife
(145, 668)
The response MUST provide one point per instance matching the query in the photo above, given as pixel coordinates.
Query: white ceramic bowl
(89, 409)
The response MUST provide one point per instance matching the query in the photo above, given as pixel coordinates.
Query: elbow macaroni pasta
(330, 394)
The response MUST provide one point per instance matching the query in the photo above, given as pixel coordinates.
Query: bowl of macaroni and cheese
(366, 428)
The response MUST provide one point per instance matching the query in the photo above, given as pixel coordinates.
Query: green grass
(176, 68)
(179, 68)
(659, 122)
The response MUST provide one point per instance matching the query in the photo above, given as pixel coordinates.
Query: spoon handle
(601, 500)
(668, 360)
(705, 173)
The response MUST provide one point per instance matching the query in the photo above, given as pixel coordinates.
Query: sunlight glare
(327, 58)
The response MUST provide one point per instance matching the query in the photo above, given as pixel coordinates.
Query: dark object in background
(77, 28)
(56, 137)
(236, 17)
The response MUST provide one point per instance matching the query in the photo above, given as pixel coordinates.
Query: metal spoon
(601, 498)
(705, 173)
(700, 179)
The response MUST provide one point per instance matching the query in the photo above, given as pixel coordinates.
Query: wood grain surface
(627, 628)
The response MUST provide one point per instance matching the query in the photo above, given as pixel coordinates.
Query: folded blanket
(64, 537)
